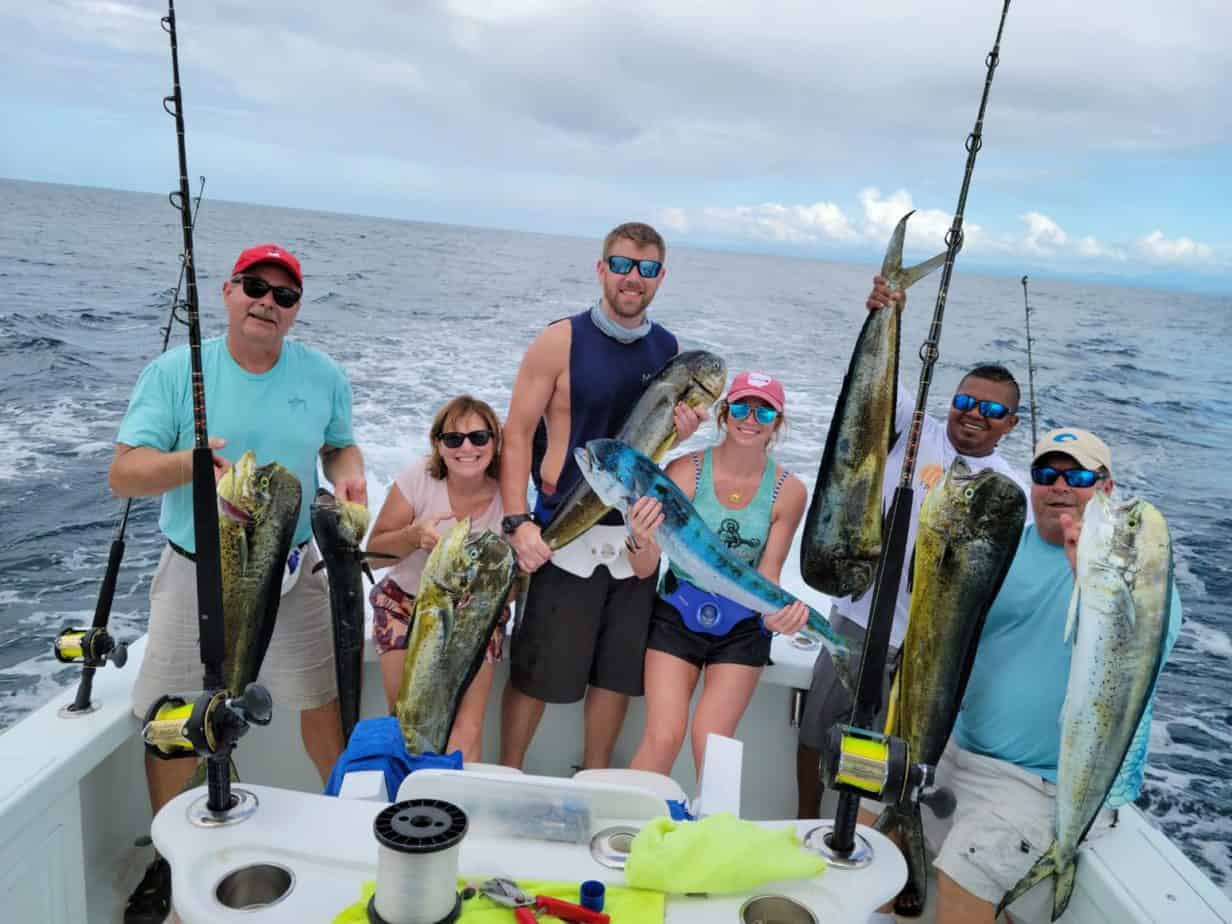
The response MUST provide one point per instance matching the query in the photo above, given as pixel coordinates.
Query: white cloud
(1092, 248)
(774, 221)
(1159, 249)
(1044, 236)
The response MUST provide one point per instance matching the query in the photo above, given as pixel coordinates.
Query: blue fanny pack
(701, 610)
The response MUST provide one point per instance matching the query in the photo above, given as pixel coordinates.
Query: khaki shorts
(299, 666)
(1003, 823)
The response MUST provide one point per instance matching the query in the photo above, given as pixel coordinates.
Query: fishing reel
(876, 766)
(92, 647)
(203, 724)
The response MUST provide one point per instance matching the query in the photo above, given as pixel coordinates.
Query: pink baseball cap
(269, 253)
(758, 385)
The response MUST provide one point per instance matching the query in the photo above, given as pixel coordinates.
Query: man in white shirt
(983, 410)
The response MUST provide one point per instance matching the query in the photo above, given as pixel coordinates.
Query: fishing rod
(1030, 364)
(94, 647)
(841, 841)
(208, 723)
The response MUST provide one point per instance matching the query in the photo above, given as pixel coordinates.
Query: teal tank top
(743, 531)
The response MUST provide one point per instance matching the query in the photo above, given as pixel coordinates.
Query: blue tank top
(606, 377)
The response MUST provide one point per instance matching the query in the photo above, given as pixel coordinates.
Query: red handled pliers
(506, 892)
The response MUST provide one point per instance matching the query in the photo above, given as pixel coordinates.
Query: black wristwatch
(510, 523)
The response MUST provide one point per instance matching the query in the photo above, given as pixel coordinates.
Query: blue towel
(377, 744)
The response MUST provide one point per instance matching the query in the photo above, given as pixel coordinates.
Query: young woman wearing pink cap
(755, 505)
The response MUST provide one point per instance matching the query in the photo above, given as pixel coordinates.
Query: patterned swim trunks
(392, 611)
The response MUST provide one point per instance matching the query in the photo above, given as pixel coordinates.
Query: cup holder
(251, 887)
(775, 909)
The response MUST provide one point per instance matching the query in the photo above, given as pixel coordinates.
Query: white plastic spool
(417, 862)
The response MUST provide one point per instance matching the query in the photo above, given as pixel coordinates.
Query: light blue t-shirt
(1012, 707)
(286, 415)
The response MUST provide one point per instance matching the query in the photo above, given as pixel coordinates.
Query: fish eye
(264, 482)
(969, 493)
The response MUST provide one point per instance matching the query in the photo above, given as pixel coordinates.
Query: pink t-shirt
(427, 496)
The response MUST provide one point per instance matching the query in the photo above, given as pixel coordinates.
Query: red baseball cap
(758, 385)
(270, 253)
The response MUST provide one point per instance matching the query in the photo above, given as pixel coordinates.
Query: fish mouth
(232, 512)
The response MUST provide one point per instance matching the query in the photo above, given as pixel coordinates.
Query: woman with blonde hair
(458, 479)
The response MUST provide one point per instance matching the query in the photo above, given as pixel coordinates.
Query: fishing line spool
(418, 842)
(203, 724)
(89, 647)
(879, 767)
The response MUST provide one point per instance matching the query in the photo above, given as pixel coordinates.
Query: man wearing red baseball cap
(285, 402)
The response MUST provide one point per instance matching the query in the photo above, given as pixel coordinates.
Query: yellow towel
(624, 905)
(719, 854)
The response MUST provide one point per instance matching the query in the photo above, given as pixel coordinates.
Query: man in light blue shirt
(1002, 759)
(285, 402)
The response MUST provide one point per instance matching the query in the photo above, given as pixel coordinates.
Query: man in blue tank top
(1001, 761)
(585, 622)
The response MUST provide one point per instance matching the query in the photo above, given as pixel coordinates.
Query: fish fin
(1071, 620)
(243, 551)
(379, 556)
(1064, 888)
(1044, 867)
(886, 820)
(1131, 611)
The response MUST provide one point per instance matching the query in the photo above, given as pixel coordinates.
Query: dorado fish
(969, 528)
(620, 475)
(462, 593)
(339, 528)
(258, 509)
(1118, 624)
(694, 377)
(842, 529)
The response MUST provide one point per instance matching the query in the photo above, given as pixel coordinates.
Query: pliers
(506, 892)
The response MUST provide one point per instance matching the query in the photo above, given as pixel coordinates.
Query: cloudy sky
(804, 127)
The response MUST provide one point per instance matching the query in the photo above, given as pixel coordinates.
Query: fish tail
(1045, 866)
(1064, 888)
(911, 828)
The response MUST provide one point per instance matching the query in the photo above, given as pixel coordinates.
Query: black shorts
(744, 644)
(576, 631)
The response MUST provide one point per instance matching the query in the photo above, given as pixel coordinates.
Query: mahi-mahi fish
(694, 377)
(462, 593)
(843, 527)
(258, 510)
(339, 527)
(969, 528)
(620, 475)
(1118, 624)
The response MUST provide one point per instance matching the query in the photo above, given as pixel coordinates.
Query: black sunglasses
(477, 437)
(621, 266)
(256, 287)
(993, 410)
(1074, 477)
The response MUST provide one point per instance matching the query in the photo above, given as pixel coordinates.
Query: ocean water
(417, 313)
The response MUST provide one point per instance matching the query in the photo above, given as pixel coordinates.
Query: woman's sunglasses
(621, 266)
(993, 410)
(256, 287)
(454, 440)
(765, 415)
(1074, 477)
